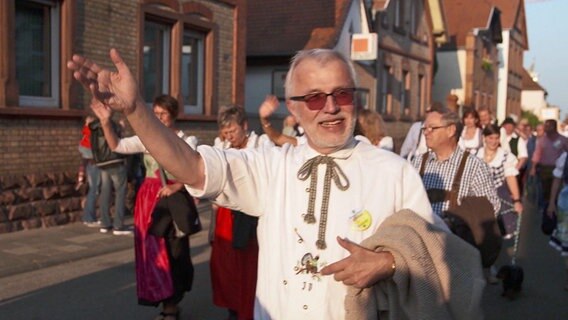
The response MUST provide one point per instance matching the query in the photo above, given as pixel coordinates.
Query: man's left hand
(362, 268)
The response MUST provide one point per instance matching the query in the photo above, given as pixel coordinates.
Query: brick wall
(105, 24)
(39, 200)
(38, 155)
(223, 16)
(38, 145)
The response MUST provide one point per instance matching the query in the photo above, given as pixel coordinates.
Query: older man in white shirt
(306, 197)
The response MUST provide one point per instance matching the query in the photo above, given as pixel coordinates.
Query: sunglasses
(317, 100)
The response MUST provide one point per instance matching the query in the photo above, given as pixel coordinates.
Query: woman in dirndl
(503, 168)
(164, 270)
(471, 137)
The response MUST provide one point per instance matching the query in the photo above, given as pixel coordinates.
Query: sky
(547, 25)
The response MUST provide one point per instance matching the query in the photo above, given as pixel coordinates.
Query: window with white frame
(177, 51)
(156, 57)
(192, 71)
(37, 52)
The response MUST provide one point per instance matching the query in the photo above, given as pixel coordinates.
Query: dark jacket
(102, 154)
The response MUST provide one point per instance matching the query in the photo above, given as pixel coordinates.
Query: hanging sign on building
(364, 46)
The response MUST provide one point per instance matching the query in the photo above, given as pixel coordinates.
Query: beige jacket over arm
(438, 275)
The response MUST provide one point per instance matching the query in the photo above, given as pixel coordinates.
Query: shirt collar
(452, 159)
(344, 153)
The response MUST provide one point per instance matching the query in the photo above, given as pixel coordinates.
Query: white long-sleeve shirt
(264, 182)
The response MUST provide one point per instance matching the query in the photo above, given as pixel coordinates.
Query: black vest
(514, 145)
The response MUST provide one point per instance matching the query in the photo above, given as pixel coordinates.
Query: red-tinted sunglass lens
(343, 97)
(316, 101)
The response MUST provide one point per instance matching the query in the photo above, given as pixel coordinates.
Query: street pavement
(75, 272)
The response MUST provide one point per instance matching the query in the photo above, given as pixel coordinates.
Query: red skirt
(233, 271)
(153, 271)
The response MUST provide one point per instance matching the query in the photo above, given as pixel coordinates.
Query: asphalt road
(103, 287)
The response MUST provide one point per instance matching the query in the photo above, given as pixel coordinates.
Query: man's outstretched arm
(118, 91)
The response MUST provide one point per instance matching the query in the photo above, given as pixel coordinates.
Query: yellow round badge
(362, 220)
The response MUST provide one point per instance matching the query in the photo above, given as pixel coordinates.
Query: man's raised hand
(117, 90)
(100, 110)
(268, 107)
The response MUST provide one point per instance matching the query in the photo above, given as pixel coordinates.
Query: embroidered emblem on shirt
(308, 265)
(362, 220)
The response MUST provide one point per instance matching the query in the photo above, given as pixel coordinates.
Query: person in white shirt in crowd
(471, 138)
(316, 202)
(415, 143)
(265, 110)
(516, 144)
(485, 117)
(513, 142)
(371, 128)
(234, 247)
(290, 127)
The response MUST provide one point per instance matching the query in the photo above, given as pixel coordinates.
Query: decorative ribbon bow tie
(333, 171)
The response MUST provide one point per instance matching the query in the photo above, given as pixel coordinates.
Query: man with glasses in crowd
(414, 143)
(440, 166)
(316, 202)
(442, 130)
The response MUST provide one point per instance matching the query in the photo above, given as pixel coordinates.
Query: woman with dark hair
(164, 271)
(471, 138)
(503, 168)
(502, 164)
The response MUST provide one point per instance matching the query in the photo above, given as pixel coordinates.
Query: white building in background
(551, 112)
(533, 97)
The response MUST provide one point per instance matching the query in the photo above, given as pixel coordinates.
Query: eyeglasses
(430, 129)
(317, 100)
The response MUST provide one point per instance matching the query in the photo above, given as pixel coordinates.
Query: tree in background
(533, 119)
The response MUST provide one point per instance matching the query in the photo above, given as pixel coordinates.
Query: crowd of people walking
(308, 221)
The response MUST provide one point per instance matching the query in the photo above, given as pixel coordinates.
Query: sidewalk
(35, 249)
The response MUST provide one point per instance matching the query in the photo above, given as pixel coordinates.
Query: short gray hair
(231, 113)
(322, 56)
(449, 118)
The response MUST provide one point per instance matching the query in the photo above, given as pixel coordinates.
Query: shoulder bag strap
(454, 193)
(163, 177)
(423, 164)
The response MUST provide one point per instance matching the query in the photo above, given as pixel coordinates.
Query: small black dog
(512, 278)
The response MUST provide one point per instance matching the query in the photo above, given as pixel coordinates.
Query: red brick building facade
(193, 50)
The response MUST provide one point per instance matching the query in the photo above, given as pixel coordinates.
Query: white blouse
(133, 144)
(473, 144)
